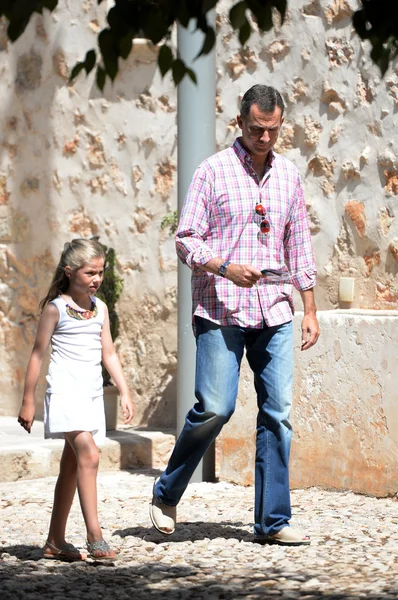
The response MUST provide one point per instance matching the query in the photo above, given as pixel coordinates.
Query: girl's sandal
(101, 551)
(67, 552)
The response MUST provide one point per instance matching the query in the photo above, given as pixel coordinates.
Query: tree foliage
(376, 21)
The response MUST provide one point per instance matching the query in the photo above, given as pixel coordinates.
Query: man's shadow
(190, 532)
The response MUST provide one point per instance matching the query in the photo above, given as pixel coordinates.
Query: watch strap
(223, 268)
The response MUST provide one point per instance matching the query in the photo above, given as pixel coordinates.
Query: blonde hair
(75, 254)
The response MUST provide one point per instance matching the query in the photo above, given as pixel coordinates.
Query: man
(244, 232)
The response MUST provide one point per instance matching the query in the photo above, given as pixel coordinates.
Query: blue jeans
(219, 351)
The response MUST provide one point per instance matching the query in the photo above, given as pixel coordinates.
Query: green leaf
(16, 28)
(208, 43)
(165, 59)
(262, 14)
(76, 70)
(207, 5)
(125, 45)
(192, 75)
(109, 53)
(359, 22)
(245, 32)
(237, 14)
(50, 4)
(178, 70)
(89, 62)
(281, 7)
(100, 78)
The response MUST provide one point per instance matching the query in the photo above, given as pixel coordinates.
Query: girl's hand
(26, 416)
(127, 406)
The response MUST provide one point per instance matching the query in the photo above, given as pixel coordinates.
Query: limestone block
(372, 259)
(30, 184)
(350, 171)
(386, 295)
(323, 167)
(13, 225)
(356, 212)
(146, 102)
(315, 223)
(164, 177)
(245, 60)
(336, 104)
(60, 65)
(29, 72)
(313, 8)
(387, 160)
(70, 148)
(365, 93)
(95, 152)
(136, 177)
(391, 186)
(275, 52)
(299, 90)
(142, 219)
(335, 134)
(345, 408)
(364, 156)
(340, 51)
(286, 140)
(392, 86)
(337, 11)
(4, 194)
(97, 185)
(386, 219)
(312, 132)
(166, 103)
(375, 128)
(393, 248)
(82, 225)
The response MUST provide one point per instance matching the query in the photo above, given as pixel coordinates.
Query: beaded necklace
(82, 315)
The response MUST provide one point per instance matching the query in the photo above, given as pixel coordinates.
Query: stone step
(30, 456)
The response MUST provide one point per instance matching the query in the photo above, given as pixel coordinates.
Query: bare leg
(64, 493)
(87, 460)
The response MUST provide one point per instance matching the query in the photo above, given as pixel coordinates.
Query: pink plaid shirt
(218, 219)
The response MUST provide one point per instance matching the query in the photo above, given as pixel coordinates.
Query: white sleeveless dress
(74, 394)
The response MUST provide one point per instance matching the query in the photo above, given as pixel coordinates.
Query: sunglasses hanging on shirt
(265, 225)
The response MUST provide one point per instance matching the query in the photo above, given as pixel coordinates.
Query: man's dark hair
(264, 96)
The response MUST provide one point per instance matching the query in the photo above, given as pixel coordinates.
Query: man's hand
(243, 275)
(309, 331)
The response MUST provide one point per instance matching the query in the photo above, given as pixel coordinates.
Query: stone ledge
(345, 408)
(24, 457)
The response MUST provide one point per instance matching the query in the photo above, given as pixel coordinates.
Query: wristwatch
(223, 268)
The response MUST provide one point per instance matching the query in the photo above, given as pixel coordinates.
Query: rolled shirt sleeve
(299, 254)
(193, 227)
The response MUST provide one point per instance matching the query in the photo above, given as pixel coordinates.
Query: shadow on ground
(192, 532)
(25, 575)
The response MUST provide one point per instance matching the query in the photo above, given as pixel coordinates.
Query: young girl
(77, 325)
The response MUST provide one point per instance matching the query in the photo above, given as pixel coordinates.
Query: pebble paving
(354, 550)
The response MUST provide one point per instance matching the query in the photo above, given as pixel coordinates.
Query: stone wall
(75, 162)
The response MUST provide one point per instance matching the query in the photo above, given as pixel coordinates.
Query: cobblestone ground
(354, 550)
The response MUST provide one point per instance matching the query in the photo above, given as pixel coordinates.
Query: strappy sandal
(101, 550)
(163, 517)
(67, 552)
